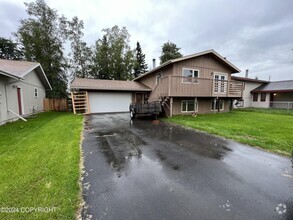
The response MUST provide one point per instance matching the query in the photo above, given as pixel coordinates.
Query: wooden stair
(166, 105)
(80, 102)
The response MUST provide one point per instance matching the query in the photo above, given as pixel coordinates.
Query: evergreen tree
(140, 66)
(169, 51)
(9, 50)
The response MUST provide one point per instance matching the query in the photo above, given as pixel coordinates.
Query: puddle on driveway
(198, 142)
(118, 147)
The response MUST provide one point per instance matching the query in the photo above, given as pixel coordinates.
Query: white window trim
(185, 68)
(36, 96)
(221, 109)
(195, 105)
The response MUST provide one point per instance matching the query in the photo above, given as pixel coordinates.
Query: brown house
(196, 83)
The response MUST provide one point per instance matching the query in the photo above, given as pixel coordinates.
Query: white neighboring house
(247, 98)
(278, 94)
(23, 87)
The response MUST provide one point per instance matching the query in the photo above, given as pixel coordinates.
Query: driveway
(141, 170)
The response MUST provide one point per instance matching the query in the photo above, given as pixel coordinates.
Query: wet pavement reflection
(140, 170)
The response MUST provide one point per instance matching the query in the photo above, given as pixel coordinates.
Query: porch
(179, 86)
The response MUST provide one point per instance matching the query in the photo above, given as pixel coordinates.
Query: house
(103, 96)
(277, 94)
(248, 85)
(199, 82)
(23, 87)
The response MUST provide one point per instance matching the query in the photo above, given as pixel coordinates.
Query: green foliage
(262, 129)
(40, 165)
(169, 51)
(140, 66)
(113, 57)
(42, 36)
(9, 50)
(81, 55)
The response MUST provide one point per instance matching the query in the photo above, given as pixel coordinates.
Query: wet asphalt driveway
(147, 171)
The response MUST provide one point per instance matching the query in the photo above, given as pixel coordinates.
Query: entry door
(220, 83)
(19, 101)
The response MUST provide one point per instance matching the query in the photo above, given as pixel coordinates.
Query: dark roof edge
(266, 91)
(249, 79)
(106, 89)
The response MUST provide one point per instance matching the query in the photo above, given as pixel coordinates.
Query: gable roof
(101, 84)
(248, 79)
(278, 86)
(224, 60)
(19, 69)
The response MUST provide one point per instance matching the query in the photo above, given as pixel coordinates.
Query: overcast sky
(255, 35)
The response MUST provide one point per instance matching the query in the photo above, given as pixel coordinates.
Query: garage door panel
(101, 102)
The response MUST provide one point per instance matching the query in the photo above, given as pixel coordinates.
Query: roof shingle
(17, 68)
(99, 84)
(275, 86)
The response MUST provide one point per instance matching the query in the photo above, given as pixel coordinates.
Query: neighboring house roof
(278, 86)
(224, 60)
(9, 75)
(100, 84)
(19, 69)
(244, 79)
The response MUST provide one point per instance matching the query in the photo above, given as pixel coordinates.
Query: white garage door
(101, 102)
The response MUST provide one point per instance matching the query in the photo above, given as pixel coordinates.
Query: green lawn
(269, 130)
(39, 162)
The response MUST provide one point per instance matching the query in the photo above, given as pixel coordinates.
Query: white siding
(259, 103)
(247, 96)
(29, 102)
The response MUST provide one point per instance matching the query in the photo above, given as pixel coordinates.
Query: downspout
(17, 115)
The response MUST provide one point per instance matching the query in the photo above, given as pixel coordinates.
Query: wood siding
(171, 83)
(201, 87)
(206, 65)
(204, 105)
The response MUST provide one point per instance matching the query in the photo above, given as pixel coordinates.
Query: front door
(19, 101)
(220, 83)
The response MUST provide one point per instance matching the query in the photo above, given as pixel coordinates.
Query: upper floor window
(36, 93)
(255, 97)
(263, 97)
(190, 75)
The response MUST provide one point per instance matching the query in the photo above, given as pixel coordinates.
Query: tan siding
(204, 106)
(151, 80)
(206, 65)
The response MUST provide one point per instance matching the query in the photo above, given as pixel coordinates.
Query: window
(36, 93)
(188, 106)
(255, 97)
(190, 75)
(215, 105)
(263, 97)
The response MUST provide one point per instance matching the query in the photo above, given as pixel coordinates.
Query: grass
(39, 162)
(269, 130)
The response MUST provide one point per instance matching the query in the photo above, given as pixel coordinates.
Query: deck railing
(201, 87)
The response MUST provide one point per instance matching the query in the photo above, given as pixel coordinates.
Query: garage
(101, 102)
(105, 96)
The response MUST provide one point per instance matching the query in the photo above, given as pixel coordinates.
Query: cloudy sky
(255, 35)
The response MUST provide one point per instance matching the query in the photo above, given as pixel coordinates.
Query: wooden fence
(59, 105)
